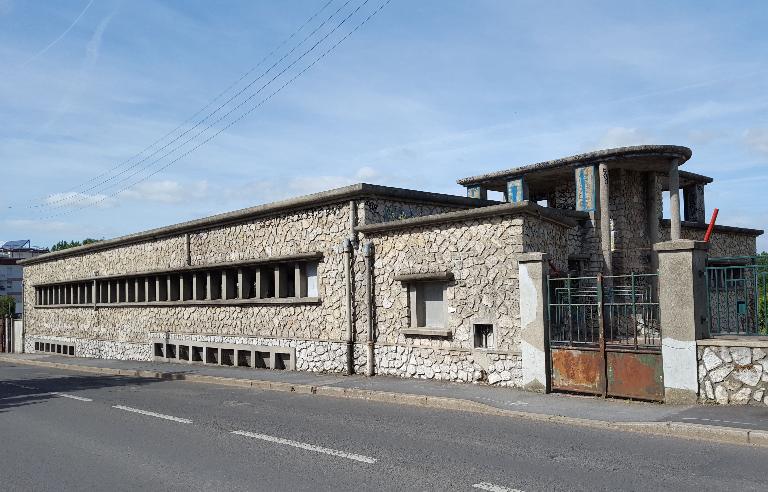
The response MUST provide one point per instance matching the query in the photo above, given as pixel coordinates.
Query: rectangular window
(311, 271)
(428, 308)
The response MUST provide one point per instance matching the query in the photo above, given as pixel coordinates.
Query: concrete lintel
(748, 341)
(681, 245)
(532, 257)
(424, 277)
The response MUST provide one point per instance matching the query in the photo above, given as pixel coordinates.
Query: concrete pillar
(693, 203)
(477, 191)
(534, 339)
(605, 218)
(654, 208)
(674, 199)
(586, 188)
(683, 315)
(517, 190)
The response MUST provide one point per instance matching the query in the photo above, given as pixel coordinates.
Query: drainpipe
(368, 253)
(347, 248)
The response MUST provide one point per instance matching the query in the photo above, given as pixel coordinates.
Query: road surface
(66, 431)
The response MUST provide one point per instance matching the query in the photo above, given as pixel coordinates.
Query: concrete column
(534, 339)
(244, 283)
(674, 199)
(477, 191)
(517, 190)
(683, 315)
(693, 203)
(654, 207)
(605, 218)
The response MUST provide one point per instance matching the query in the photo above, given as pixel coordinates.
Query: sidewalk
(741, 424)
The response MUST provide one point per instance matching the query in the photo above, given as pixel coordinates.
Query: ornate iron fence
(628, 305)
(737, 295)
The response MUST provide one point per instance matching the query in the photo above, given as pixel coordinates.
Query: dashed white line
(73, 397)
(717, 420)
(493, 487)
(152, 414)
(308, 447)
(18, 385)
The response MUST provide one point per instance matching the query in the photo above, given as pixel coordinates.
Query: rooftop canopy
(638, 158)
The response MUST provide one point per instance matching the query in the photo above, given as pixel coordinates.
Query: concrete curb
(711, 433)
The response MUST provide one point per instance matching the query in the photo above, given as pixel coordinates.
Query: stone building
(374, 279)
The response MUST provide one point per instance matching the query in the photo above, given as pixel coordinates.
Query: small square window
(484, 336)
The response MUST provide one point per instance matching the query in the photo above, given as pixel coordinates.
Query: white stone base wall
(97, 349)
(733, 375)
(497, 368)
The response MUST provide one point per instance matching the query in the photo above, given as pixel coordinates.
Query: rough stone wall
(628, 203)
(379, 210)
(478, 253)
(721, 243)
(733, 374)
(313, 230)
(458, 365)
(564, 196)
(481, 256)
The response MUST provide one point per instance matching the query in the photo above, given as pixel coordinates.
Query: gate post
(683, 315)
(534, 336)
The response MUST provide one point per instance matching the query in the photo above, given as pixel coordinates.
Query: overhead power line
(79, 189)
(249, 111)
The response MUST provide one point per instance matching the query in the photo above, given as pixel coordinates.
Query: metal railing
(737, 296)
(628, 305)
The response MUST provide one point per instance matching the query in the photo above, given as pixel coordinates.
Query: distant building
(11, 275)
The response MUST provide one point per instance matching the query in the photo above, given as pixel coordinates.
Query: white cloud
(41, 225)
(757, 138)
(167, 191)
(71, 199)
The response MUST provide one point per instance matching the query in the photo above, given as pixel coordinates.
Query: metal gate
(737, 295)
(605, 336)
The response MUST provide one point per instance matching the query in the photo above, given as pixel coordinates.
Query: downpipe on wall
(370, 369)
(350, 338)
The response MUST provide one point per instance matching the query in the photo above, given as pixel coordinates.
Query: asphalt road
(61, 431)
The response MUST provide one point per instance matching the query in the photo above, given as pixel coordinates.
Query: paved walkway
(581, 407)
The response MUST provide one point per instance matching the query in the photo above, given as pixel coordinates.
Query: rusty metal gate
(605, 336)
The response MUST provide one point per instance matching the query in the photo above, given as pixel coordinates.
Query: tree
(7, 306)
(62, 245)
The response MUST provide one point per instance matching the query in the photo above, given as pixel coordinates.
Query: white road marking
(494, 488)
(80, 398)
(153, 414)
(716, 420)
(308, 447)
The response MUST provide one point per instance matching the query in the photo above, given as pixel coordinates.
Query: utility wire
(191, 118)
(226, 115)
(261, 103)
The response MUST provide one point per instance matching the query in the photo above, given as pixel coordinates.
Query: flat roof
(641, 155)
(352, 192)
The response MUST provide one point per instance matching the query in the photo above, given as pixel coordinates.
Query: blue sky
(423, 94)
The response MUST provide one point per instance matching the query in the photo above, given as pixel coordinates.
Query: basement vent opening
(59, 348)
(484, 336)
(223, 354)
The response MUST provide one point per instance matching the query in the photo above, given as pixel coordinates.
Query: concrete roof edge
(586, 158)
(718, 228)
(527, 208)
(336, 195)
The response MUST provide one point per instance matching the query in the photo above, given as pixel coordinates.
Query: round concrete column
(674, 199)
(605, 219)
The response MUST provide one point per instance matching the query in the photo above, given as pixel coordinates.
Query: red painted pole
(711, 225)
